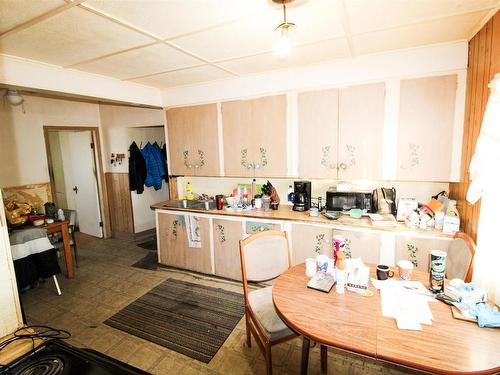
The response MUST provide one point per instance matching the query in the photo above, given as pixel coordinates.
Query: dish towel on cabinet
(193, 231)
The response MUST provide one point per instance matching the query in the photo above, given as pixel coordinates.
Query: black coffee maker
(302, 197)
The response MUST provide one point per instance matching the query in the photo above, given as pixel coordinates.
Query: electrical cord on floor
(41, 332)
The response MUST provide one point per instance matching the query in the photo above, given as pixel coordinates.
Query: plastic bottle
(290, 195)
(189, 191)
(253, 193)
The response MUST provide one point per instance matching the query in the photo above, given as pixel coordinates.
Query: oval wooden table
(355, 323)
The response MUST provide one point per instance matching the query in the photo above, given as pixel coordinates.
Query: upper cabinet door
(255, 137)
(425, 135)
(193, 140)
(318, 123)
(361, 129)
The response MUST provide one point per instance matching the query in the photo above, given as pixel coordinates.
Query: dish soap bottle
(290, 195)
(189, 191)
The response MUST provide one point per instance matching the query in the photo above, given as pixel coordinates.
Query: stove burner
(50, 365)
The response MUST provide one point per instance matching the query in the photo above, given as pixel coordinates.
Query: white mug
(310, 267)
(405, 268)
(230, 201)
(322, 262)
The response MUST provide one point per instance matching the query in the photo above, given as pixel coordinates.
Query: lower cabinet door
(362, 245)
(308, 241)
(173, 240)
(198, 258)
(227, 234)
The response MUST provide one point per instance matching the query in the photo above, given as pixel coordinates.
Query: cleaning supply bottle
(253, 193)
(189, 191)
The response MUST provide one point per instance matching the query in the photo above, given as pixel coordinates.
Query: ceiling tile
(301, 55)
(174, 17)
(140, 62)
(16, 12)
(432, 32)
(70, 37)
(315, 20)
(368, 15)
(184, 77)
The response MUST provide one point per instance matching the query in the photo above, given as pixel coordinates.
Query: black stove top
(54, 357)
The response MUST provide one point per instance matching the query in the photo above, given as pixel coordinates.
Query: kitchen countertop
(285, 212)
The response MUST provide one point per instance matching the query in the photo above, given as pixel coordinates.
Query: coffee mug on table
(310, 267)
(405, 269)
(322, 262)
(384, 272)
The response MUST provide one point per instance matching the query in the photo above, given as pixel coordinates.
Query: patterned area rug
(191, 319)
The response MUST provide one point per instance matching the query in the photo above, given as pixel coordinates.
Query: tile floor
(105, 282)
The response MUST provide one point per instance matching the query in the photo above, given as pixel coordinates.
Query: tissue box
(473, 296)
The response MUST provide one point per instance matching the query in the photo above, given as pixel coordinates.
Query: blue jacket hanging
(154, 166)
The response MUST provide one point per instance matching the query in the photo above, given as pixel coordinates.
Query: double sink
(194, 204)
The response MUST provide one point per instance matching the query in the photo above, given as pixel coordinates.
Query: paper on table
(409, 309)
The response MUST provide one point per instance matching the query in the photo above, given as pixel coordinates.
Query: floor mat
(149, 262)
(191, 319)
(149, 244)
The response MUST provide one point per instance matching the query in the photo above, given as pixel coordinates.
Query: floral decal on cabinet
(175, 224)
(252, 165)
(263, 157)
(413, 157)
(222, 234)
(200, 163)
(320, 240)
(325, 157)
(412, 254)
(351, 155)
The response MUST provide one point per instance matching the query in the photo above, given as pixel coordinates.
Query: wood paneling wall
(120, 203)
(484, 62)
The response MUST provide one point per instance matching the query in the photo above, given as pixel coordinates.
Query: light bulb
(283, 44)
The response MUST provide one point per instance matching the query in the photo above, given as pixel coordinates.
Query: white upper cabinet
(426, 124)
(361, 129)
(318, 134)
(254, 132)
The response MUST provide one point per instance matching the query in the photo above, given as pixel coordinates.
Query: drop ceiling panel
(70, 37)
(315, 20)
(139, 62)
(443, 30)
(184, 77)
(300, 55)
(16, 12)
(381, 14)
(174, 17)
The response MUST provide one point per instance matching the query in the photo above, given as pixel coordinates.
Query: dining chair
(264, 256)
(460, 258)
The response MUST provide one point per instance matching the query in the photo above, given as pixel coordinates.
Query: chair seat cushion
(261, 302)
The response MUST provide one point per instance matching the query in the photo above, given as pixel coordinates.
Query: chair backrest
(264, 256)
(460, 259)
(70, 215)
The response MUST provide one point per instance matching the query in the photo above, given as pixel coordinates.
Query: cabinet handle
(343, 166)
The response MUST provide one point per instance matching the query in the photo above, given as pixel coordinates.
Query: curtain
(484, 173)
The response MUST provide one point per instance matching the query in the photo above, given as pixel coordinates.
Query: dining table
(354, 322)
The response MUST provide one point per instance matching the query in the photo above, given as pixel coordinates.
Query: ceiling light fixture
(13, 97)
(283, 44)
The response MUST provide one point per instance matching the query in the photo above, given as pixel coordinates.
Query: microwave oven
(346, 200)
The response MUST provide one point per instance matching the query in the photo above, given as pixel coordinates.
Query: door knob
(75, 189)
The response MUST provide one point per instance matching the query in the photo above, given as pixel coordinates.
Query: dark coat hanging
(136, 169)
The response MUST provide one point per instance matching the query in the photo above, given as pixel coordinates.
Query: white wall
(10, 314)
(22, 144)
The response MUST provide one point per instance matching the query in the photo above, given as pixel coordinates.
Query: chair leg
(57, 285)
(249, 335)
(269, 361)
(324, 359)
(306, 343)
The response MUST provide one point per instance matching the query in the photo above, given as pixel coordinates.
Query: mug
(322, 262)
(405, 268)
(230, 201)
(384, 272)
(310, 267)
(258, 203)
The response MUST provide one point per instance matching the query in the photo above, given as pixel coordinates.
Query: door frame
(101, 182)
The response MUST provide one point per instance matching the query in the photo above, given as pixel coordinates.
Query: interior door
(84, 178)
